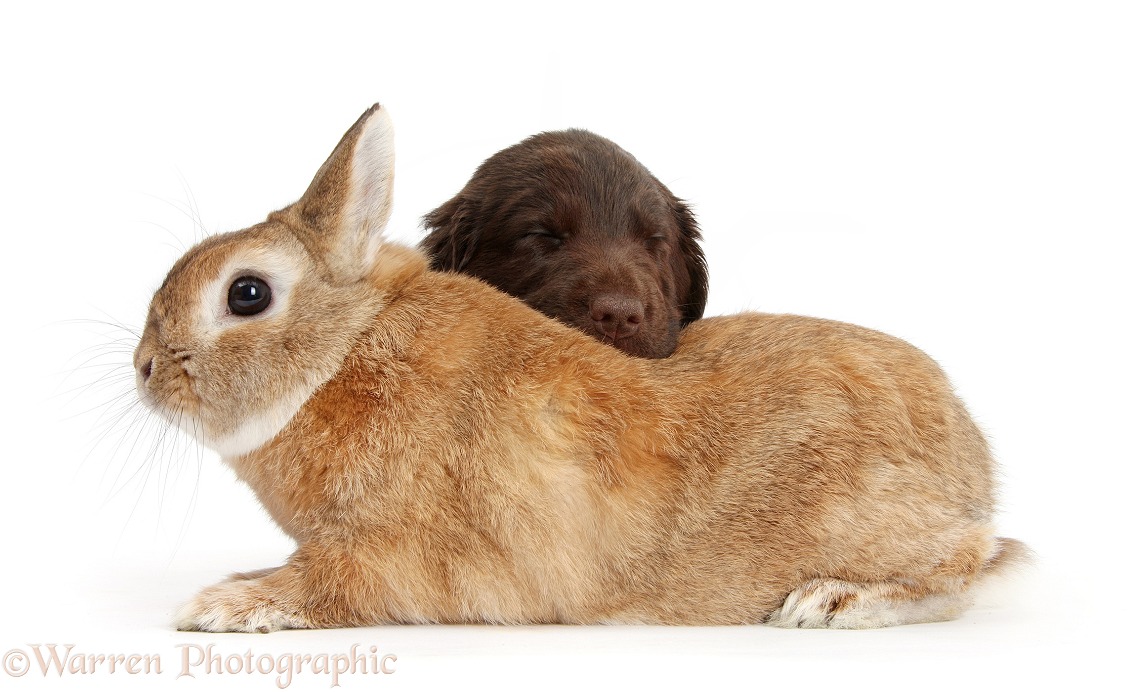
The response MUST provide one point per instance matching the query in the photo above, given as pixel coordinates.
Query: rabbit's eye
(249, 295)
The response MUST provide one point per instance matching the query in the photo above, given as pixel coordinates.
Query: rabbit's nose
(146, 370)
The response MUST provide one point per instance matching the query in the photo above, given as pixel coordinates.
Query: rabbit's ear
(342, 215)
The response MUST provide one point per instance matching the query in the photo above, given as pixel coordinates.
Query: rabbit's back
(818, 449)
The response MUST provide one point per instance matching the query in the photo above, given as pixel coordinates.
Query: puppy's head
(576, 227)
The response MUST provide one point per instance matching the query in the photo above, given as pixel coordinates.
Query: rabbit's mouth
(166, 386)
(178, 384)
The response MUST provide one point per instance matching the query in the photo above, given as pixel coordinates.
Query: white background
(958, 174)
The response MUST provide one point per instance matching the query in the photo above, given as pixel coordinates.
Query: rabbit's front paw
(237, 606)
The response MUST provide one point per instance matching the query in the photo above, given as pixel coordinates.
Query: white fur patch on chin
(255, 430)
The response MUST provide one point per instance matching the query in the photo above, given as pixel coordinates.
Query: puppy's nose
(617, 316)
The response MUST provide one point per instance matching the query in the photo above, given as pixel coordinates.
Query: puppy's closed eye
(658, 242)
(540, 234)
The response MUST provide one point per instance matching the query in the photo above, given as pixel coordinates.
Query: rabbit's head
(247, 325)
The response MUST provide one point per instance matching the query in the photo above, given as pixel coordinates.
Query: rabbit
(443, 453)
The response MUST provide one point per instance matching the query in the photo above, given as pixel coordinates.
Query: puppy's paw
(237, 606)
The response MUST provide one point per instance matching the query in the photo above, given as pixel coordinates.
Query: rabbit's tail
(1008, 555)
(1001, 581)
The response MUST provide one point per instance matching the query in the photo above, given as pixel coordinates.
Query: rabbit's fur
(443, 453)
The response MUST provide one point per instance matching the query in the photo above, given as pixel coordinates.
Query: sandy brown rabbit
(443, 453)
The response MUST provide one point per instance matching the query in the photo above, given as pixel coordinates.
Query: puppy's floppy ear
(694, 302)
(453, 237)
(341, 217)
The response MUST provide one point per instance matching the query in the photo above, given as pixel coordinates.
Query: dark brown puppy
(576, 227)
